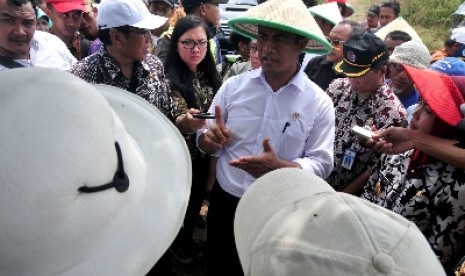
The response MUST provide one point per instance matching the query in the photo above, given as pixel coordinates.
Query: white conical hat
(94, 179)
(288, 15)
(329, 12)
(398, 24)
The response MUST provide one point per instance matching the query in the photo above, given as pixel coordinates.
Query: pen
(285, 126)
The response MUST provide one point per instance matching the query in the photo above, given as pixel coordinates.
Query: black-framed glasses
(335, 41)
(396, 66)
(191, 44)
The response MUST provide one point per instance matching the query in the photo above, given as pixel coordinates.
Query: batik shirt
(79, 46)
(148, 79)
(204, 95)
(432, 196)
(382, 109)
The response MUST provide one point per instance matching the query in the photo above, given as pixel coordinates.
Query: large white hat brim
(266, 196)
(48, 227)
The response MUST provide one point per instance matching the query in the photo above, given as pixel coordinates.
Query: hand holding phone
(204, 115)
(363, 132)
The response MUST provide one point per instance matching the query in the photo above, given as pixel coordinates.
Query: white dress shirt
(298, 118)
(47, 50)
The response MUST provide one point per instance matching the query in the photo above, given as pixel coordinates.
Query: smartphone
(363, 132)
(204, 115)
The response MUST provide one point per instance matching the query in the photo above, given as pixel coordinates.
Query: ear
(302, 44)
(202, 10)
(95, 10)
(243, 46)
(116, 38)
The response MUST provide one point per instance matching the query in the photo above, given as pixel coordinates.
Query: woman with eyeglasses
(423, 189)
(191, 72)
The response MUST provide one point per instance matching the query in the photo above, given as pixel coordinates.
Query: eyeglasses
(396, 66)
(335, 41)
(190, 44)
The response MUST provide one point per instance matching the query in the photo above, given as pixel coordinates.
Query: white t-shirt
(47, 50)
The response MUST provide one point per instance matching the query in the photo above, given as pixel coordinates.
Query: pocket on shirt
(293, 143)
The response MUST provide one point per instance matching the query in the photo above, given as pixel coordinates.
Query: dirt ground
(200, 236)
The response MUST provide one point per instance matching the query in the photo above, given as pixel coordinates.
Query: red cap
(64, 6)
(439, 92)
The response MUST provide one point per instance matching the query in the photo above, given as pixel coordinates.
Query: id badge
(348, 159)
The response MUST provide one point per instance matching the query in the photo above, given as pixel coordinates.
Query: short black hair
(399, 35)
(19, 3)
(104, 34)
(355, 26)
(235, 38)
(393, 4)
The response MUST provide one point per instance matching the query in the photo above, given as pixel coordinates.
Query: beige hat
(329, 12)
(398, 24)
(411, 53)
(291, 222)
(89, 183)
(290, 15)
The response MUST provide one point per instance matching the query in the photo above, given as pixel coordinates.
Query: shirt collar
(299, 80)
(111, 65)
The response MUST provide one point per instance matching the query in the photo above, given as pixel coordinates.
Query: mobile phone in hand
(362, 132)
(204, 115)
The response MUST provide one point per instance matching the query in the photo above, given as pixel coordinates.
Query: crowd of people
(265, 124)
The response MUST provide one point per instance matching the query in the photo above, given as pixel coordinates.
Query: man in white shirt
(22, 46)
(266, 119)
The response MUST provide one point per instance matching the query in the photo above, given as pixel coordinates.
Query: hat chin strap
(120, 180)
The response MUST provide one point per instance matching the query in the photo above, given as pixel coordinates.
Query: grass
(431, 18)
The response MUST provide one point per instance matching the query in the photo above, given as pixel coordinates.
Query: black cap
(361, 53)
(374, 9)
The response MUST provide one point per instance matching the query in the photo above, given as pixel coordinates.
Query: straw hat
(291, 222)
(63, 140)
(398, 24)
(439, 92)
(290, 15)
(329, 12)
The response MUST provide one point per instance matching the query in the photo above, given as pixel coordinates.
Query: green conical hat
(288, 15)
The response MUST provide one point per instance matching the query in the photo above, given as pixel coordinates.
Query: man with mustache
(22, 46)
(124, 60)
(89, 27)
(266, 119)
(360, 99)
(66, 16)
(320, 68)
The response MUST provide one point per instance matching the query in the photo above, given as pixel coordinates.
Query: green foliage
(432, 18)
(431, 13)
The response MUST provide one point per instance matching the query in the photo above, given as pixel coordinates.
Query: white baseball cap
(291, 222)
(65, 206)
(458, 35)
(134, 13)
